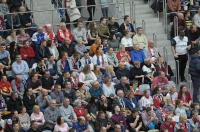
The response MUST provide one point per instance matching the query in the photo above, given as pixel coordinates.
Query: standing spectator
(104, 7)
(140, 38)
(174, 5)
(180, 50)
(127, 26)
(194, 69)
(20, 67)
(91, 9)
(51, 114)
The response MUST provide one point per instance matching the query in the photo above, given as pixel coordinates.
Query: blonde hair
(35, 107)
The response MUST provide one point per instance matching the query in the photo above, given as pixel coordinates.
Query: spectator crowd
(73, 79)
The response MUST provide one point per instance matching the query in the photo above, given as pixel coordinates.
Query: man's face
(80, 25)
(18, 58)
(104, 21)
(3, 48)
(140, 31)
(127, 20)
(68, 85)
(66, 102)
(53, 104)
(96, 85)
(111, 50)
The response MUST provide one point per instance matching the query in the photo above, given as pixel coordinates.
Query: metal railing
(131, 3)
(144, 25)
(176, 26)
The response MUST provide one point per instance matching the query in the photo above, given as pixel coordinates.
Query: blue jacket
(96, 92)
(194, 66)
(129, 102)
(137, 55)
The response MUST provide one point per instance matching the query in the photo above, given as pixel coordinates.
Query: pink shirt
(39, 118)
(58, 128)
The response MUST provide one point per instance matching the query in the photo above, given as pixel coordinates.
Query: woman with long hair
(185, 96)
(61, 126)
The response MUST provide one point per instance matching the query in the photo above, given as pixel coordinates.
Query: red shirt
(27, 53)
(80, 111)
(64, 34)
(169, 127)
(156, 100)
(5, 87)
(185, 99)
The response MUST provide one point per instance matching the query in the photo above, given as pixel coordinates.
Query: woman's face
(24, 110)
(37, 110)
(184, 90)
(102, 116)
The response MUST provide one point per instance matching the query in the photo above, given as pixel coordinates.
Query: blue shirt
(79, 128)
(137, 55)
(96, 92)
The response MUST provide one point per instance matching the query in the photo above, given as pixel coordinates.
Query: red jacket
(66, 34)
(27, 53)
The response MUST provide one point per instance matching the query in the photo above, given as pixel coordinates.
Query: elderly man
(151, 51)
(137, 54)
(51, 114)
(140, 38)
(123, 85)
(67, 112)
(96, 90)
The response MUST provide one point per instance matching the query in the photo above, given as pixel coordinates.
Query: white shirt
(108, 90)
(181, 45)
(146, 102)
(127, 42)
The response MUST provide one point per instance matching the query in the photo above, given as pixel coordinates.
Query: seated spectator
(172, 96)
(103, 30)
(174, 5)
(13, 50)
(25, 17)
(38, 37)
(3, 106)
(57, 94)
(43, 51)
(24, 118)
(14, 103)
(148, 68)
(185, 96)
(92, 32)
(151, 51)
(161, 66)
(180, 109)
(127, 26)
(34, 127)
(96, 89)
(94, 46)
(43, 100)
(87, 76)
(79, 109)
(109, 71)
(134, 121)
(67, 112)
(123, 85)
(40, 67)
(149, 119)
(80, 125)
(117, 117)
(64, 64)
(127, 41)
(35, 83)
(17, 127)
(98, 73)
(183, 124)
(49, 31)
(168, 124)
(140, 39)
(102, 121)
(100, 59)
(4, 7)
(123, 55)
(82, 93)
(137, 74)
(122, 71)
(53, 49)
(120, 99)
(13, 20)
(108, 87)
(80, 33)
(157, 97)
(68, 47)
(86, 60)
(68, 91)
(80, 47)
(64, 34)
(66, 77)
(160, 81)
(52, 67)
(61, 126)
(114, 28)
(137, 54)
(5, 87)
(112, 59)
(131, 101)
(11, 38)
(17, 85)
(146, 100)
(37, 116)
(51, 114)
(29, 100)
(4, 56)
(76, 63)
(47, 80)
(21, 37)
